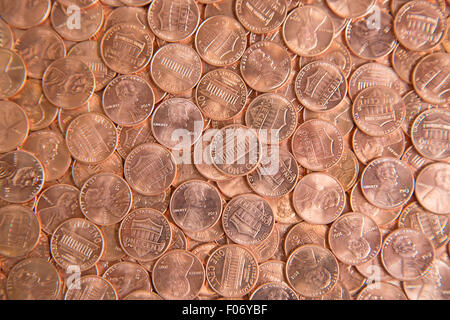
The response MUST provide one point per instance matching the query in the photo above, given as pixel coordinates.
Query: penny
(271, 271)
(381, 291)
(433, 189)
(81, 172)
(274, 291)
(80, 3)
(125, 14)
(414, 106)
(220, 40)
(265, 66)
(6, 36)
(178, 275)
(142, 295)
(346, 171)
(351, 9)
(57, 204)
(223, 7)
(268, 247)
(128, 100)
(397, 4)
(352, 279)
(404, 61)
(338, 22)
(407, 254)
(13, 73)
(127, 277)
(317, 145)
(91, 138)
(21, 176)
(179, 240)
(173, 21)
(145, 234)
(131, 137)
(33, 279)
(212, 234)
(126, 48)
(14, 126)
(224, 271)
(430, 134)
(234, 187)
(186, 172)
(261, 16)
(415, 161)
(91, 288)
(339, 292)
(24, 14)
(176, 68)
(305, 233)
(312, 270)
(318, 198)
(420, 26)
(248, 219)
(283, 209)
(112, 250)
(136, 2)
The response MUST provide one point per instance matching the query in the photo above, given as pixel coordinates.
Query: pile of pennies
(224, 149)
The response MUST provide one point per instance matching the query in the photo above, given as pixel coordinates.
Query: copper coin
(221, 94)
(346, 171)
(128, 100)
(39, 47)
(176, 68)
(105, 199)
(414, 106)
(179, 240)
(248, 219)
(338, 22)
(308, 31)
(91, 288)
(381, 291)
(135, 2)
(415, 161)
(6, 35)
(173, 21)
(350, 9)
(271, 271)
(430, 76)
(51, 150)
(212, 234)
(312, 270)
(80, 3)
(91, 138)
(145, 234)
(404, 61)
(14, 126)
(273, 116)
(186, 171)
(177, 123)
(265, 66)
(433, 188)
(317, 145)
(225, 269)
(220, 40)
(397, 4)
(234, 187)
(407, 254)
(142, 295)
(305, 233)
(178, 275)
(350, 276)
(268, 247)
(77, 242)
(131, 137)
(274, 291)
(223, 7)
(420, 26)
(430, 134)
(126, 14)
(33, 279)
(21, 176)
(23, 14)
(112, 250)
(319, 198)
(261, 16)
(57, 204)
(127, 277)
(126, 48)
(13, 73)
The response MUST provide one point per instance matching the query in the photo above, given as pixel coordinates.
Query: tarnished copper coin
(318, 198)
(261, 16)
(305, 233)
(22, 176)
(407, 254)
(381, 291)
(81, 172)
(350, 9)
(145, 234)
(312, 270)
(13, 73)
(25, 14)
(420, 25)
(128, 100)
(91, 287)
(178, 275)
(387, 183)
(430, 134)
(126, 48)
(433, 188)
(265, 66)
(274, 291)
(225, 270)
(91, 138)
(6, 35)
(33, 279)
(57, 204)
(317, 145)
(14, 126)
(77, 242)
(127, 277)
(404, 61)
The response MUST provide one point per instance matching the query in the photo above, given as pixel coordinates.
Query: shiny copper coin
(338, 22)
(351, 9)
(312, 270)
(433, 188)
(77, 242)
(305, 233)
(128, 100)
(318, 198)
(178, 275)
(381, 291)
(212, 234)
(223, 7)
(126, 14)
(142, 295)
(415, 161)
(14, 126)
(23, 14)
(430, 134)
(346, 171)
(127, 277)
(265, 66)
(22, 176)
(80, 3)
(274, 291)
(6, 35)
(268, 247)
(397, 4)
(33, 279)
(234, 187)
(173, 21)
(404, 61)
(57, 204)
(248, 219)
(126, 48)
(91, 288)
(317, 145)
(81, 172)
(91, 138)
(13, 73)
(131, 137)
(225, 268)
(414, 106)
(420, 26)
(112, 250)
(407, 254)
(271, 271)
(261, 16)
(350, 276)
(145, 234)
